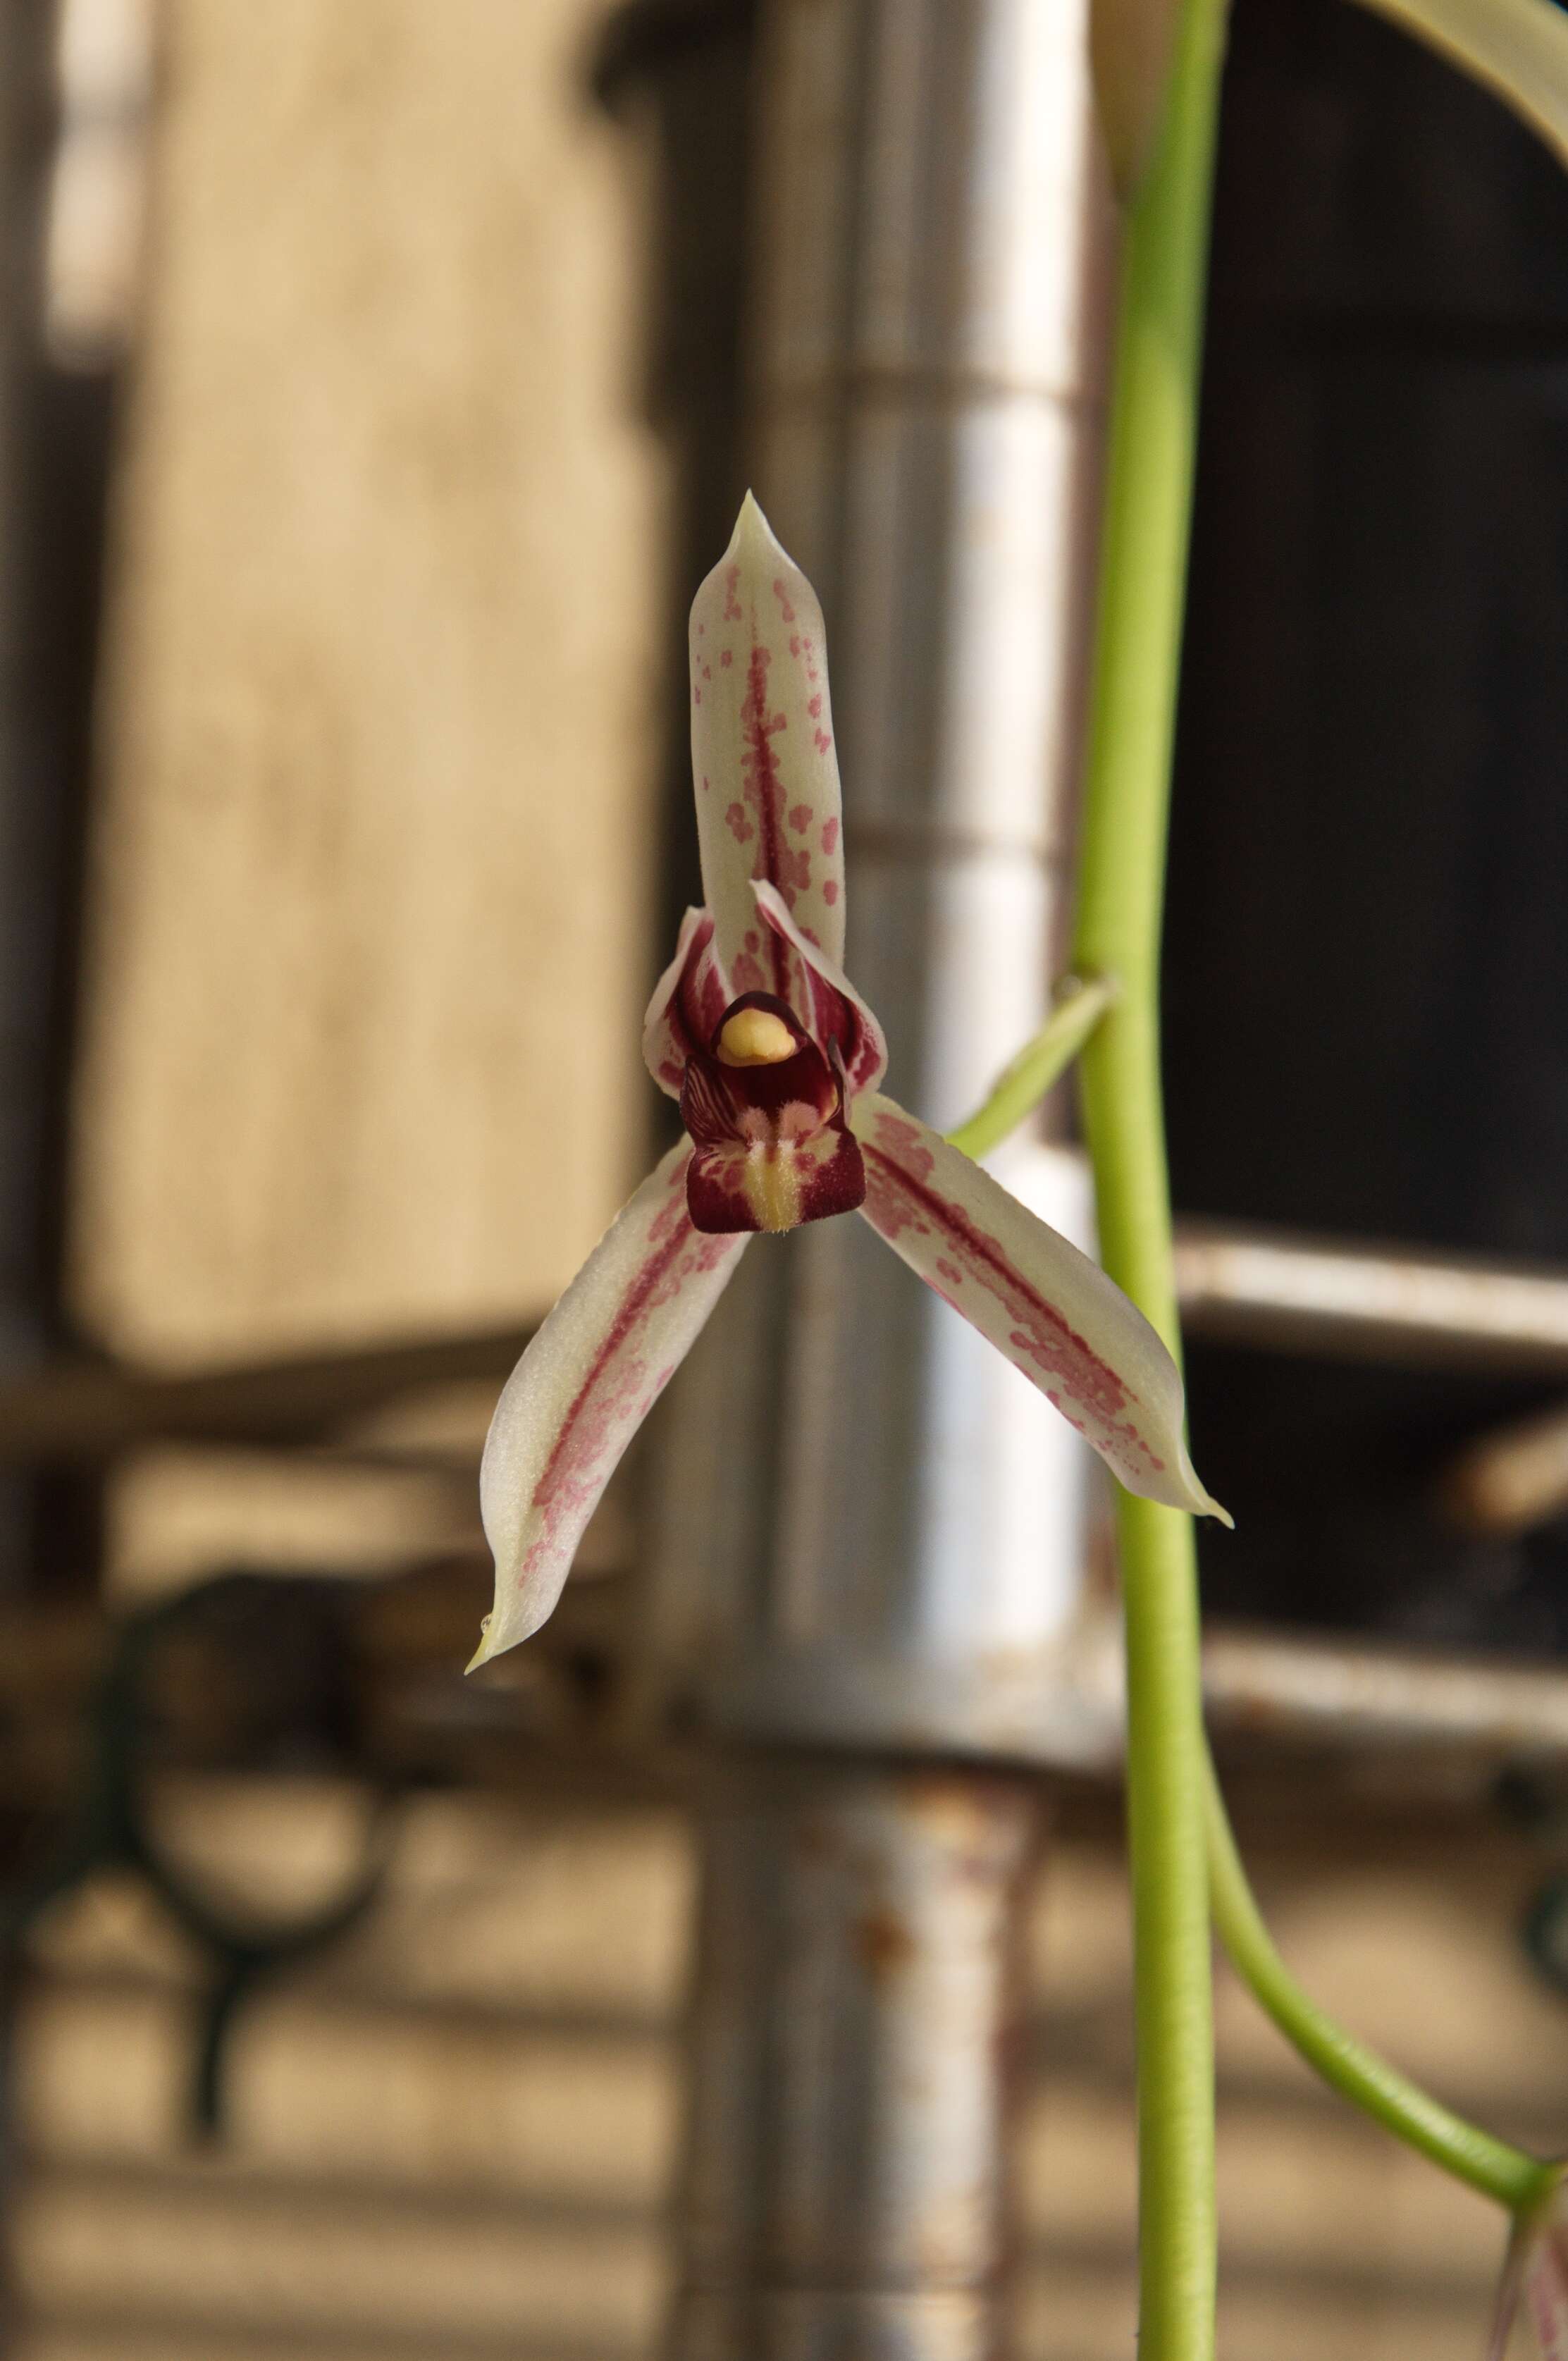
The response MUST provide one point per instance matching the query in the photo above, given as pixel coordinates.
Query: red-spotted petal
(1546, 2289)
(584, 1386)
(688, 1001)
(1536, 2268)
(763, 767)
(1051, 1311)
(826, 1002)
(1510, 2287)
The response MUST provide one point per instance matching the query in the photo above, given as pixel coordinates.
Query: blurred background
(376, 383)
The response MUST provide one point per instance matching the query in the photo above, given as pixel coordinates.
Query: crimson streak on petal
(835, 1016)
(763, 757)
(584, 1386)
(1051, 1312)
(902, 1200)
(778, 1092)
(765, 794)
(688, 1003)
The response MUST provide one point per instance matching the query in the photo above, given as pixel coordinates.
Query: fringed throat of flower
(763, 1107)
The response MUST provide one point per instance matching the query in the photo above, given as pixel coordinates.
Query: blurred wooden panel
(488, 1904)
(360, 2102)
(177, 1515)
(1074, 2310)
(368, 908)
(456, 2135)
(320, 2264)
(118, 2339)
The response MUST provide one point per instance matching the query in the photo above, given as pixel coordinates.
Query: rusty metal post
(847, 2190)
(874, 1533)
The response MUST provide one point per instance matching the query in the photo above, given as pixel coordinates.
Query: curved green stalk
(1024, 1081)
(1153, 441)
(1510, 2175)
(1182, 1849)
(1492, 2166)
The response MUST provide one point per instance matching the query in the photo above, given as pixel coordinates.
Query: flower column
(872, 1537)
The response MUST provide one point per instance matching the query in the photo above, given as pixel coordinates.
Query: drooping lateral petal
(762, 762)
(1537, 2268)
(825, 999)
(1516, 49)
(1048, 1308)
(1546, 2286)
(688, 1001)
(584, 1386)
(1511, 2285)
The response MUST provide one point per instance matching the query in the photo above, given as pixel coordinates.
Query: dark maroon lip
(830, 1184)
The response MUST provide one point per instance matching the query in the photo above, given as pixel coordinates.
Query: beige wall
(455, 2134)
(368, 910)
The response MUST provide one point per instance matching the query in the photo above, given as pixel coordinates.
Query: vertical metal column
(874, 1532)
(846, 2193)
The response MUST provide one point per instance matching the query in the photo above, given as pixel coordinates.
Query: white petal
(688, 1001)
(1517, 2265)
(1516, 49)
(1048, 1308)
(762, 762)
(583, 1389)
(1543, 2239)
(825, 1001)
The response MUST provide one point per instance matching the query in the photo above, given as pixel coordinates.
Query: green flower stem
(1153, 440)
(1510, 2175)
(1515, 2179)
(1182, 1846)
(1183, 1852)
(1023, 1084)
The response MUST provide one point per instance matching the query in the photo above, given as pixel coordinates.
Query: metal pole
(847, 2189)
(1295, 1294)
(872, 1532)
(873, 1535)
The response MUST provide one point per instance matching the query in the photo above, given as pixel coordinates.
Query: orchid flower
(775, 1062)
(1537, 2268)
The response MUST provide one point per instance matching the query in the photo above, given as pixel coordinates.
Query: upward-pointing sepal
(764, 763)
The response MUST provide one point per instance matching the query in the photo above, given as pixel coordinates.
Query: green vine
(1153, 442)
(1184, 1857)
